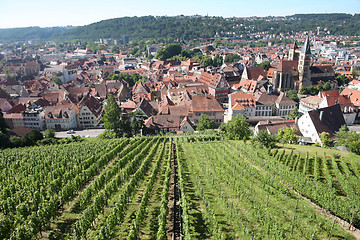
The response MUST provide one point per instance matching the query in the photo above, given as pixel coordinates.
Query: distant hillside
(29, 33)
(189, 27)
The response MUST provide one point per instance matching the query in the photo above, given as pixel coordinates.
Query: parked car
(70, 131)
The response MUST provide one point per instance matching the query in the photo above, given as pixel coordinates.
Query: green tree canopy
(266, 65)
(49, 133)
(292, 94)
(168, 51)
(205, 123)
(232, 57)
(287, 135)
(266, 139)
(112, 117)
(237, 128)
(57, 80)
(294, 114)
(325, 139)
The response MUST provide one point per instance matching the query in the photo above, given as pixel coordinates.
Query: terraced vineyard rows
(172, 188)
(246, 194)
(331, 182)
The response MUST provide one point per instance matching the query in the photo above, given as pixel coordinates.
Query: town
(65, 87)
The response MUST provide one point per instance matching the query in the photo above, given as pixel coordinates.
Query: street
(81, 133)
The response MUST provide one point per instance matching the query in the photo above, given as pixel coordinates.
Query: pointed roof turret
(294, 46)
(306, 47)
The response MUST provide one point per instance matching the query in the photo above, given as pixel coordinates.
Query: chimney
(321, 115)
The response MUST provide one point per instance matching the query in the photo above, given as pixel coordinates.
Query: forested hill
(189, 27)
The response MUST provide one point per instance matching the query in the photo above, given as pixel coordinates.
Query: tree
(341, 79)
(326, 86)
(134, 50)
(292, 94)
(57, 80)
(168, 51)
(294, 114)
(232, 57)
(354, 73)
(112, 117)
(217, 61)
(325, 139)
(266, 65)
(237, 128)
(266, 139)
(35, 135)
(205, 123)
(3, 125)
(49, 133)
(287, 135)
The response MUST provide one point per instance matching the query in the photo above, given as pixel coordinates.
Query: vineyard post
(332, 228)
(352, 218)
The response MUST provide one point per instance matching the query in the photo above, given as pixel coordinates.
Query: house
(146, 108)
(208, 105)
(90, 112)
(284, 105)
(348, 109)
(354, 84)
(5, 105)
(253, 73)
(353, 95)
(314, 122)
(31, 68)
(309, 103)
(14, 120)
(273, 127)
(265, 104)
(218, 86)
(61, 117)
(34, 118)
(168, 123)
(241, 103)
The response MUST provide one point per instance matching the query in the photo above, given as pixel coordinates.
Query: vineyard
(174, 188)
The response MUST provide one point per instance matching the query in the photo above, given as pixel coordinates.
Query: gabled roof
(253, 73)
(274, 126)
(328, 119)
(186, 120)
(288, 66)
(263, 98)
(166, 101)
(146, 107)
(211, 80)
(21, 131)
(141, 88)
(240, 101)
(163, 122)
(353, 95)
(201, 103)
(322, 69)
(93, 104)
(283, 99)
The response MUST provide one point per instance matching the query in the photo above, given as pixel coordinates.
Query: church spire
(306, 47)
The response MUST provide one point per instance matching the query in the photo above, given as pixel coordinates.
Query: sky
(50, 13)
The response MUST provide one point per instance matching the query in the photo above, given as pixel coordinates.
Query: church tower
(292, 54)
(304, 65)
